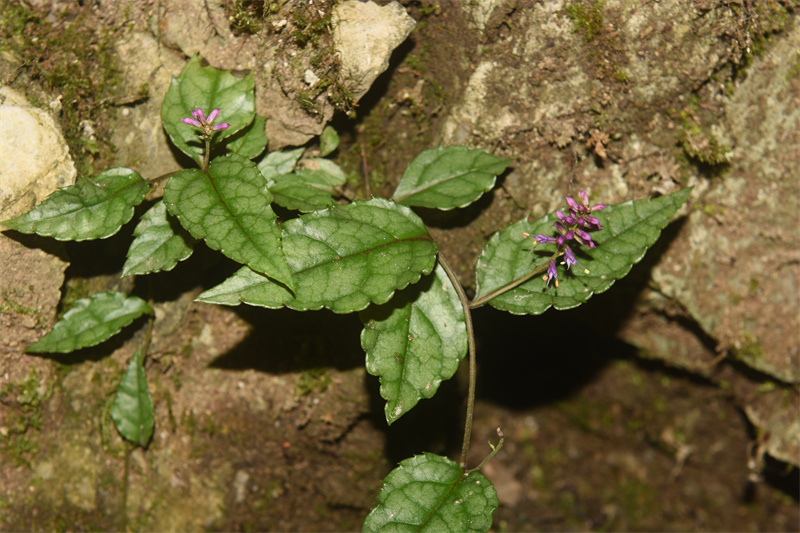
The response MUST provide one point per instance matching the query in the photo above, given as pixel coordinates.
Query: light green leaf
(91, 321)
(203, 86)
(277, 163)
(415, 341)
(629, 230)
(309, 188)
(93, 209)
(132, 410)
(448, 177)
(159, 243)
(430, 493)
(229, 207)
(328, 141)
(251, 141)
(341, 258)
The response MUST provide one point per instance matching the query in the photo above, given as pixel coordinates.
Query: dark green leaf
(328, 141)
(415, 341)
(341, 258)
(132, 410)
(93, 209)
(251, 141)
(629, 230)
(430, 493)
(203, 86)
(159, 243)
(277, 163)
(229, 207)
(448, 177)
(91, 321)
(309, 188)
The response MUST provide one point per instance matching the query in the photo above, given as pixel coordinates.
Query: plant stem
(505, 288)
(472, 362)
(206, 154)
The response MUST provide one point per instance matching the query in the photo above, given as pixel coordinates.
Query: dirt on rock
(632, 412)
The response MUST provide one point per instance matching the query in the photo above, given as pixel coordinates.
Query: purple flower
(569, 257)
(552, 273)
(575, 225)
(199, 120)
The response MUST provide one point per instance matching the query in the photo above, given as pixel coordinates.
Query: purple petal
(191, 122)
(571, 203)
(584, 198)
(212, 116)
(569, 257)
(542, 238)
(222, 126)
(552, 273)
(199, 115)
(598, 207)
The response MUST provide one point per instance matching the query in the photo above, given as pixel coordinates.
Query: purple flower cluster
(206, 124)
(575, 225)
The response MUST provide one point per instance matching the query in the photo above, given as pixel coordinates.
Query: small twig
(365, 172)
(472, 362)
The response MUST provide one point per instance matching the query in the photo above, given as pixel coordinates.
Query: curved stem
(489, 457)
(472, 363)
(505, 288)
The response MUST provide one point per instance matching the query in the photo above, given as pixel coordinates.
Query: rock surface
(34, 158)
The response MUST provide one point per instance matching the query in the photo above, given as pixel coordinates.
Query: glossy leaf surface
(630, 228)
(132, 411)
(415, 341)
(431, 493)
(91, 321)
(342, 258)
(251, 141)
(90, 209)
(448, 177)
(229, 207)
(308, 189)
(277, 163)
(159, 243)
(201, 85)
(328, 141)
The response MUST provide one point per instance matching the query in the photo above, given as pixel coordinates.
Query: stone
(366, 35)
(34, 157)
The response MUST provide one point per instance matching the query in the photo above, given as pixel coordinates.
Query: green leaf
(415, 341)
(93, 209)
(206, 87)
(629, 230)
(251, 141)
(448, 177)
(91, 321)
(229, 207)
(132, 410)
(328, 141)
(341, 258)
(310, 188)
(159, 243)
(431, 493)
(277, 163)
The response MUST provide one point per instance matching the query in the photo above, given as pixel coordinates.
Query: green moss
(587, 19)
(8, 304)
(24, 401)
(700, 144)
(248, 16)
(794, 70)
(311, 380)
(751, 350)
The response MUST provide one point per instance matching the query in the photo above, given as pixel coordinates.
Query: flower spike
(205, 124)
(573, 226)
